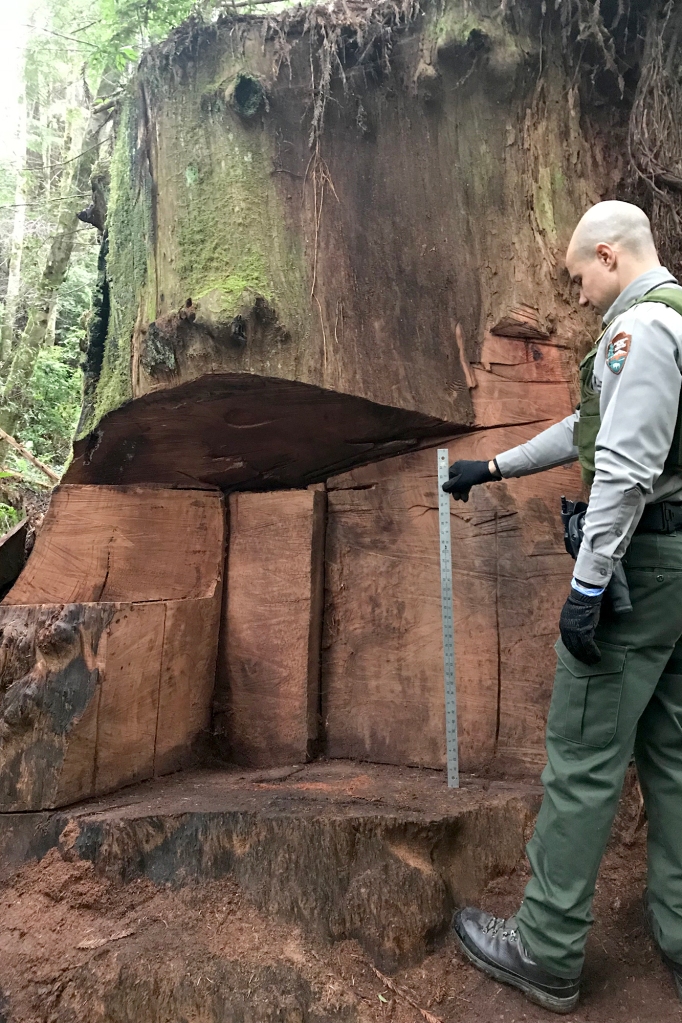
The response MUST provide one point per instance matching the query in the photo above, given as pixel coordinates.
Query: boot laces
(497, 924)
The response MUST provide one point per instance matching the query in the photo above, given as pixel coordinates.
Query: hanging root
(654, 138)
(343, 38)
(583, 26)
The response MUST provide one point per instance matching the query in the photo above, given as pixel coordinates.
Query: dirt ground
(75, 946)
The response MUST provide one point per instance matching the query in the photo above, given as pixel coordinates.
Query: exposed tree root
(655, 140)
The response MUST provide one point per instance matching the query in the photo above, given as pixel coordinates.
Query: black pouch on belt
(573, 518)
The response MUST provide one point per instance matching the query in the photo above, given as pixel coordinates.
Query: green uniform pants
(630, 701)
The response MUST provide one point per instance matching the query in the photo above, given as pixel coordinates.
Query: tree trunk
(351, 239)
(16, 246)
(76, 177)
(338, 241)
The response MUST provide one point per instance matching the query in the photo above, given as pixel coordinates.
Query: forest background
(65, 64)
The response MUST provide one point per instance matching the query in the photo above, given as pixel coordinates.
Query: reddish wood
(268, 673)
(518, 523)
(382, 684)
(109, 694)
(96, 695)
(50, 670)
(243, 430)
(129, 700)
(124, 543)
(382, 674)
(187, 679)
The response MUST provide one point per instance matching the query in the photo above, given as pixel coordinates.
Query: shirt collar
(636, 289)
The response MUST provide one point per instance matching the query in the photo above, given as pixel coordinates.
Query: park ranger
(618, 685)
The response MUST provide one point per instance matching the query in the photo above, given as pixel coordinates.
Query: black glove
(577, 624)
(464, 475)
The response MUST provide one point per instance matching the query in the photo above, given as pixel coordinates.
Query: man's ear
(606, 255)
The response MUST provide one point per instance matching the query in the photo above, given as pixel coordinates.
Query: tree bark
(16, 246)
(76, 178)
(445, 176)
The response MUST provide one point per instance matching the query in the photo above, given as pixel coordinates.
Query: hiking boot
(675, 968)
(495, 946)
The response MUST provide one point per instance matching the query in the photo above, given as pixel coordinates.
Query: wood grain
(124, 544)
(129, 701)
(50, 659)
(382, 669)
(382, 680)
(240, 431)
(187, 679)
(268, 671)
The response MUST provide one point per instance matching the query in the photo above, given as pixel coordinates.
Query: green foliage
(75, 293)
(129, 227)
(221, 202)
(126, 27)
(79, 50)
(52, 404)
(9, 517)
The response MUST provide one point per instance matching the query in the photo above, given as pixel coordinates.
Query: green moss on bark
(216, 210)
(130, 238)
(232, 237)
(464, 37)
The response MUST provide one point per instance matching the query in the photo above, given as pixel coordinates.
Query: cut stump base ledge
(343, 850)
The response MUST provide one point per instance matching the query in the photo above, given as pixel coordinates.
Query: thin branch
(669, 179)
(56, 166)
(85, 27)
(60, 35)
(42, 202)
(428, 1016)
(10, 476)
(251, 3)
(108, 105)
(25, 453)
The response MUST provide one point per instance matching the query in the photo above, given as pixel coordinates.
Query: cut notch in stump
(267, 685)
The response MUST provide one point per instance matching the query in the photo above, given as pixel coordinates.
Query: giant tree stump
(301, 278)
(288, 292)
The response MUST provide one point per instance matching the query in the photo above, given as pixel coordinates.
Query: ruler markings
(448, 622)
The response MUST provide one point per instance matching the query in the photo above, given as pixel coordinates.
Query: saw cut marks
(242, 431)
(188, 669)
(95, 695)
(129, 696)
(268, 675)
(382, 667)
(124, 544)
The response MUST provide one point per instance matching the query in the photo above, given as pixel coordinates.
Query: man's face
(596, 276)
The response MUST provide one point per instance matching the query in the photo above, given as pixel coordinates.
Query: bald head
(619, 224)
(611, 246)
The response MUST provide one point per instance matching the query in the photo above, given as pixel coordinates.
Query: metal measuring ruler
(448, 621)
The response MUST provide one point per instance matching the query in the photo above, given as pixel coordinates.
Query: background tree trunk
(75, 178)
(16, 246)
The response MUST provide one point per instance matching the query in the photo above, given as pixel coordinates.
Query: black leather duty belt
(660, 518)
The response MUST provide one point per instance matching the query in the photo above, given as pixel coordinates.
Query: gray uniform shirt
(638, 408)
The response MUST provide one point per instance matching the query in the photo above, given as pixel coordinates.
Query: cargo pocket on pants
(586, 697)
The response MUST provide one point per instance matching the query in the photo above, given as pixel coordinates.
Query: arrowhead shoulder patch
(617, 352)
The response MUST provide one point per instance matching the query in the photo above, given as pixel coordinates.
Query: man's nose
(583, 300)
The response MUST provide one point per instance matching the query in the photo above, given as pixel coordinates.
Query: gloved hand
(467, 474)
(577, 624)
